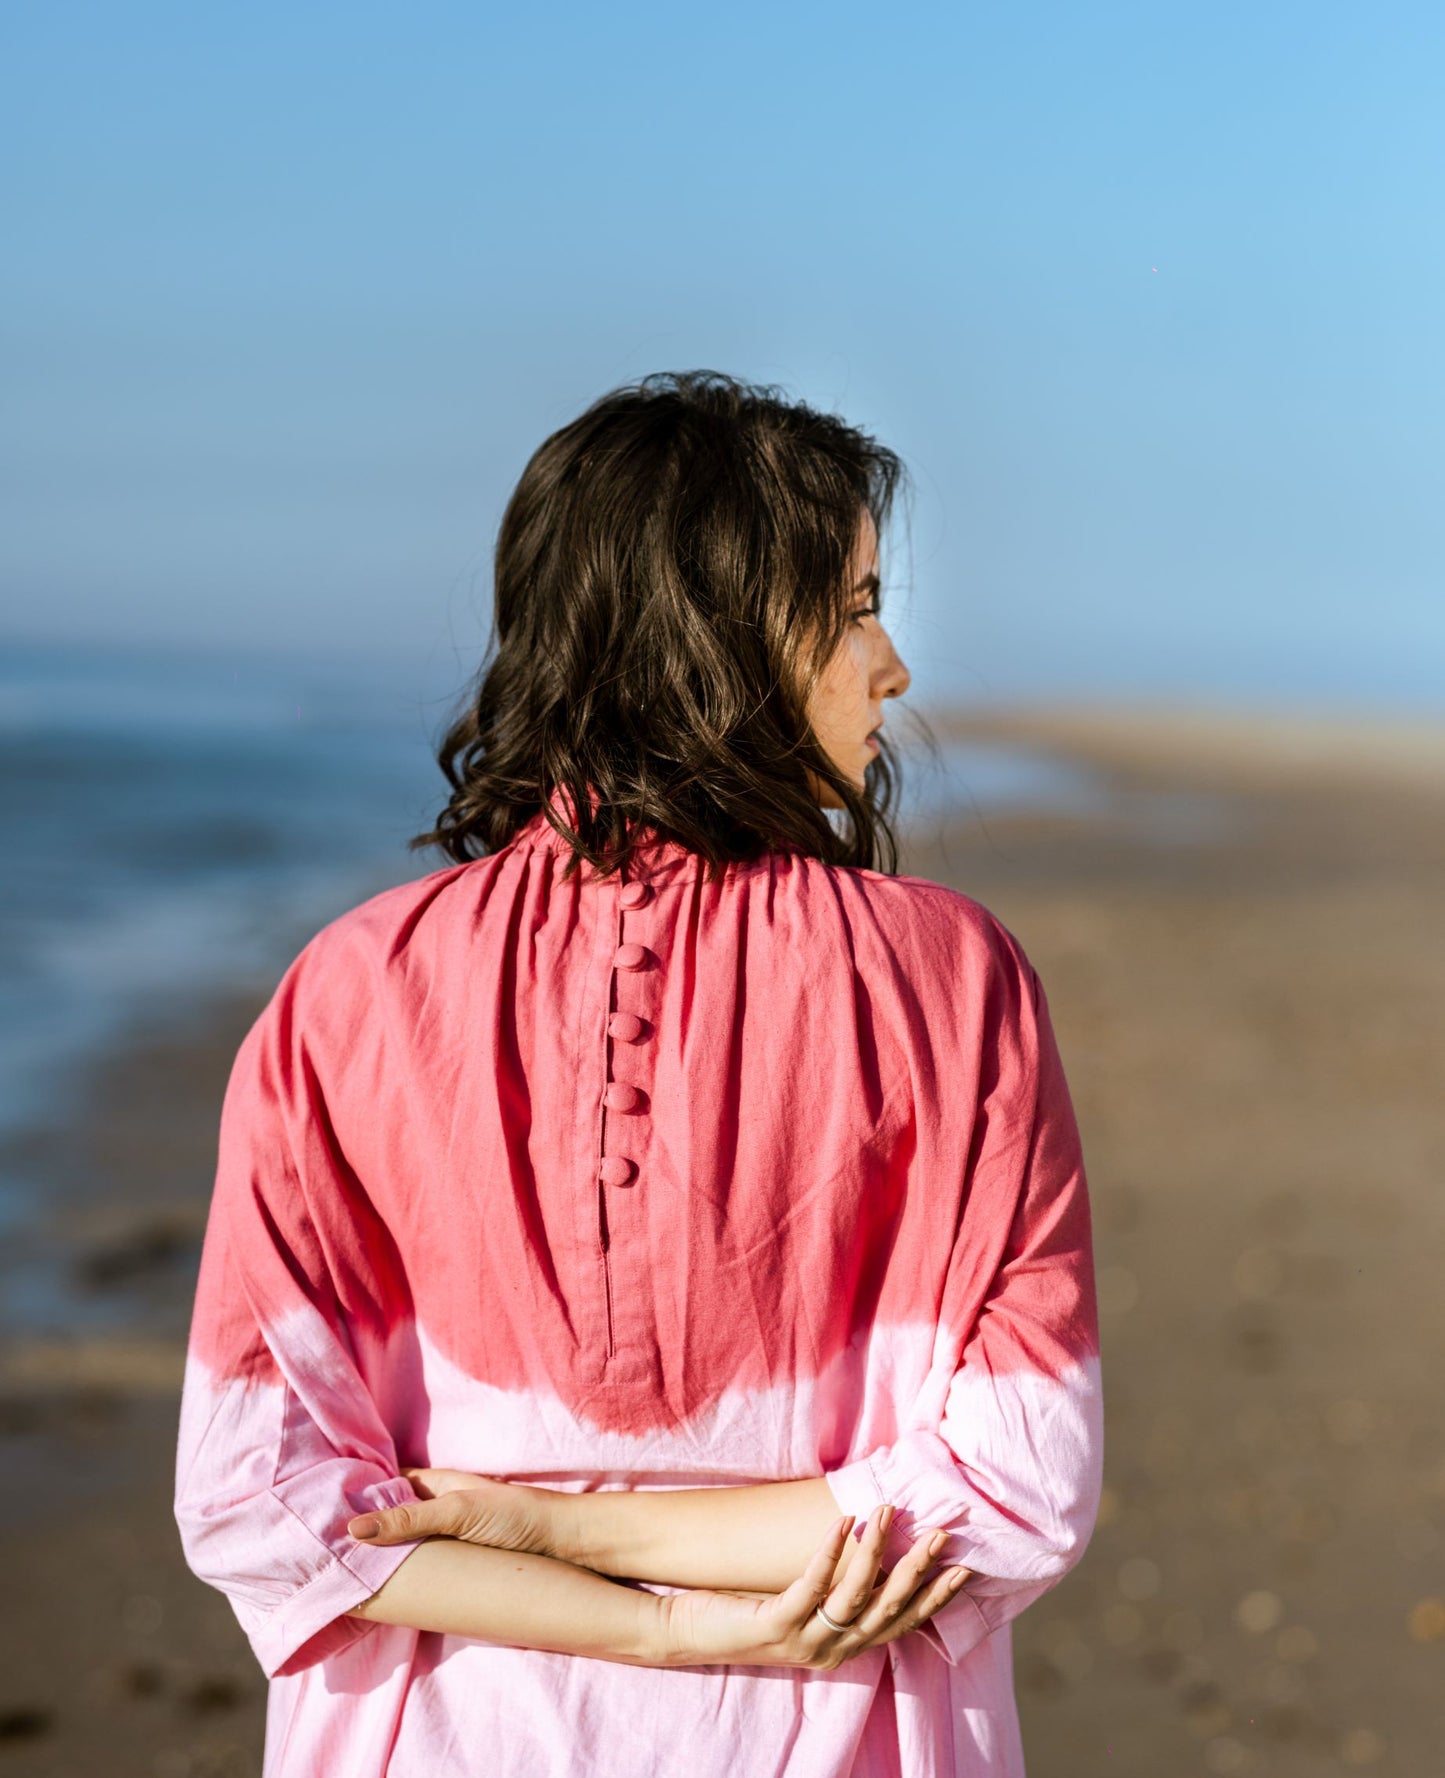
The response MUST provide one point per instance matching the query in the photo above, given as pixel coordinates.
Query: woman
(669, 1160)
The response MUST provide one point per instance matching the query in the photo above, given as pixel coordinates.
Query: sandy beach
(1240, 940)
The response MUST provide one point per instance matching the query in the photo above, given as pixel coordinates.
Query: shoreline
(1234, 749)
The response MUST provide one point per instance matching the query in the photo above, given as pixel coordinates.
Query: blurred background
(1148, 298)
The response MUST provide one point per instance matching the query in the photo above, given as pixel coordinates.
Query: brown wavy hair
(672, 573)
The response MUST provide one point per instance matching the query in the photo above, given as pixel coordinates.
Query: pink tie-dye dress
(644, 1184)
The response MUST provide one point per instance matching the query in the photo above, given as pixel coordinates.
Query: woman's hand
(703, 1628)
(471, 1508)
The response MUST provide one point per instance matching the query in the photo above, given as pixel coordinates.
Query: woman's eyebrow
(868, 584)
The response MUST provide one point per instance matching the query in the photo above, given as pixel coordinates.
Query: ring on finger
(830, 1623)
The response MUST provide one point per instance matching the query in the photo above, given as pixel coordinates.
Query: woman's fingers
(907, 1576)
(930, 1598)
(865, 1614)
(850, 1595)
(912, 1593)
(443, 1517)
(476, 1509)
(798, 1602)
(797, 1610)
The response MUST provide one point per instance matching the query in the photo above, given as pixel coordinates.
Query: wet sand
(1243, 957)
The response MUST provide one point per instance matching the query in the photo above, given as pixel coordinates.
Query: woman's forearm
(757, 1538)
(523, 1601)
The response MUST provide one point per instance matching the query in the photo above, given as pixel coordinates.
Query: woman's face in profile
(865, 668)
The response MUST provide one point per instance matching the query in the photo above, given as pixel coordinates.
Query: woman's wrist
(582, 1528)
(674, 1647)
(650, 1642)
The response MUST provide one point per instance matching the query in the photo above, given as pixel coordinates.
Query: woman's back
(646, 1182)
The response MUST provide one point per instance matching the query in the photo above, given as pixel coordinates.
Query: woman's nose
(896, 678)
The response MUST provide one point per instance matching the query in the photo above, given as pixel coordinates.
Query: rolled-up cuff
(955, 1628)
(311, 1624)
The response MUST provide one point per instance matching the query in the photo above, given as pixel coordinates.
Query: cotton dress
(648, 1183)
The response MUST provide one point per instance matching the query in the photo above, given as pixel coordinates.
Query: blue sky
(1149, 297)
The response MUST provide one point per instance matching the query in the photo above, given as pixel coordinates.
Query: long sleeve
(280, 1441)
(1006, 1453)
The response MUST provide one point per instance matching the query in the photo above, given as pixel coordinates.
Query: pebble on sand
(1426, 1622)
(1361, 1747)
(1259, 1611)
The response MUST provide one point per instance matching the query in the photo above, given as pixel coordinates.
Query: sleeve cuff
(311, 1624)
(958, 1627)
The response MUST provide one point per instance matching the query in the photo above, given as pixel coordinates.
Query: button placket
(644, 938)
(621, 1097)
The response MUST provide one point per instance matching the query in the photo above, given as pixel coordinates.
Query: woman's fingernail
(363, 1528)
(957, 1578)
(885, 1518)
(936, 1542)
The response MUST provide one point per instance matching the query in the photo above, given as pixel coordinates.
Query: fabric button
(635, 895)
(615, 1171)
(630, 956)
(621, 1097)
(625, 1025)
